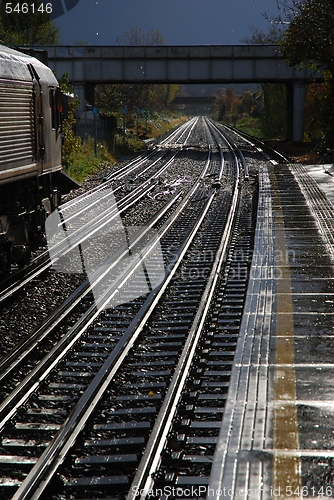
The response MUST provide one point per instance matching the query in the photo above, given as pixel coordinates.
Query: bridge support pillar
(298, 111)
(90, 93)
(79, 93)
(85, 92)
(295, 96)
(289, 111)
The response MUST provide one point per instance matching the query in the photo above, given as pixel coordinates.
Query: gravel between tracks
(23, 313)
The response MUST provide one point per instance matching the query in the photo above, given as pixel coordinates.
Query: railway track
(126, 182)
(130, 399)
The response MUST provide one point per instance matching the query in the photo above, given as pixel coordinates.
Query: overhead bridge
(90, 65)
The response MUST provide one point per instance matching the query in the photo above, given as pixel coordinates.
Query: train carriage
(30, 154)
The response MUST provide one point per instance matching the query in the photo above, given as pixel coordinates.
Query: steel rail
(45, 467)
(261, 146)
(239, 152)
(178, 130)
(43, 261)
(40, 264)
(190, 131)
(234, 150)
(21, 393)
(139, 174)
(14, 397)
(64, 247)
(143, 480)
(130, 195)
(207, 130)
(125, 170)
(113, 176)
(103, 219)
(186, 127)
(171, 136)
(134, 164)
(16, 356)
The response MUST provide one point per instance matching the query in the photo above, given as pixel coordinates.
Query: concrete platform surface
(277, 433)
(324, 176)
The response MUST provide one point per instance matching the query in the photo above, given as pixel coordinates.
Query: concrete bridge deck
(91, 65)
(175, 64)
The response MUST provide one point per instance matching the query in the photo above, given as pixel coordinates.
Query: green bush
(252, 126)
(82, 161)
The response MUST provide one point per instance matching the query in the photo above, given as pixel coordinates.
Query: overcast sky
(180, 22)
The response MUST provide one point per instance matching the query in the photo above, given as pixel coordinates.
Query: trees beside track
(33, 27)
(304, 30)
(309, 41)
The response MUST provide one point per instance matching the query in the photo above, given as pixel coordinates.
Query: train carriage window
(56, 108)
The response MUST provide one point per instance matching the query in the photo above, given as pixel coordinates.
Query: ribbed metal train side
(17, 128)
(30, 154)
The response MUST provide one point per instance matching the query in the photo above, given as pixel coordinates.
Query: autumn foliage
(309, 41)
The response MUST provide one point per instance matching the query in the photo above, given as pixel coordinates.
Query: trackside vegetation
(304, 30)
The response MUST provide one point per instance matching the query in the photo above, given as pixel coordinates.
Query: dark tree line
(28, 25)
(309, 41)
(304, 30)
